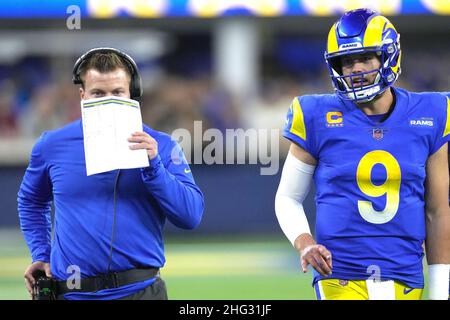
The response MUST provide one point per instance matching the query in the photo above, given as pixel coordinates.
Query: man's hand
(144, 141)
(313, 254)
(318, 257)
(31, 271)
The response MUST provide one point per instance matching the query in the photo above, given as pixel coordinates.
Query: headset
(136, 82)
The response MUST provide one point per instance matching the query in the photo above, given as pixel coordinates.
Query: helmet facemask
(354, 86)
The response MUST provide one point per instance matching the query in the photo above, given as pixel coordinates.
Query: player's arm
(438, 224)
(294, 186)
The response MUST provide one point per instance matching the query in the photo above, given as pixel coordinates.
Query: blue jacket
(84, 208)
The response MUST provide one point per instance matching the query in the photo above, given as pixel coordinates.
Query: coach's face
(97, 84)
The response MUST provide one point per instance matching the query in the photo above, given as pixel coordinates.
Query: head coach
(108, 227)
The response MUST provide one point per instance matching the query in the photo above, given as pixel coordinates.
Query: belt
(109, 280)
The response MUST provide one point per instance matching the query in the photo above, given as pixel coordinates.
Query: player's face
(97, 84)
(359, 63)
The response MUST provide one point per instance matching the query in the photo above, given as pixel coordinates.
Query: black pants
(156, 291)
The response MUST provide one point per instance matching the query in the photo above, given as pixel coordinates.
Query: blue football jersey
(370, 180)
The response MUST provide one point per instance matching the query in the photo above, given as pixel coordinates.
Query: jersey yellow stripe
(447, 124)
(298, 124)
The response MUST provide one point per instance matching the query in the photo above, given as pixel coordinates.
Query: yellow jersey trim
(447, 124)
(298, 123)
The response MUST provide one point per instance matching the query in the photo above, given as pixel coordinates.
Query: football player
(378, 157)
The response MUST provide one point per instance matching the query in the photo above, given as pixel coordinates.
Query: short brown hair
(104, 62)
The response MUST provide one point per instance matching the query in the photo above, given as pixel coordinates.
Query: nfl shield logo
(377, 134)
(343, 282)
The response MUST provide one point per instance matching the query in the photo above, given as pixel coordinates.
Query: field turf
(207, 268)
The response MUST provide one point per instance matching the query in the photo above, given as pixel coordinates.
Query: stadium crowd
(34, 97)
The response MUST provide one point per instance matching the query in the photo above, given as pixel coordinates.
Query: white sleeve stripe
(294, 186)
(291, 217)
(438, 281)
(299, 165)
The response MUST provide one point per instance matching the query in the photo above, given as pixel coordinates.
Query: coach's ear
(81, 93)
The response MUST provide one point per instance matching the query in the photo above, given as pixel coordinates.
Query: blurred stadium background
(230, 64)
